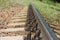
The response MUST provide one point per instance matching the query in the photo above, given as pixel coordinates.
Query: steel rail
(46, 32)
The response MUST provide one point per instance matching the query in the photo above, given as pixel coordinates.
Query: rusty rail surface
(35, 21)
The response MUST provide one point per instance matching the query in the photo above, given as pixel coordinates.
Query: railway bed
(27, 24)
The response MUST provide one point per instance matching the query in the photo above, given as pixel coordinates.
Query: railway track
(26, 24)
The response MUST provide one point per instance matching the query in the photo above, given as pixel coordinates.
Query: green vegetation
(52, 2)
(4, 3)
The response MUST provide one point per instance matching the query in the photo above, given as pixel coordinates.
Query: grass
(4, 3)
(45, 10)
(50, 2)
(48, 13)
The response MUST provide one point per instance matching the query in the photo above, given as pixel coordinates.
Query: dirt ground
(7, 13)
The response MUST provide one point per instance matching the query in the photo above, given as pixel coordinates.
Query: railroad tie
(15, 28)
